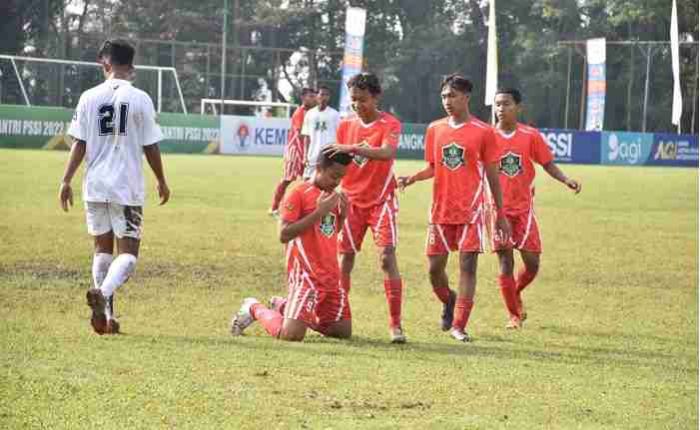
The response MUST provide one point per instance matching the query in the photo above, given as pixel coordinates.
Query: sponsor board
(254, 136)
(625, 148)
(569, 146)
(674, 150)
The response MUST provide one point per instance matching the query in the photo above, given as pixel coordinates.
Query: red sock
(270, 320)
(442, 293)
(525, 278)
(509, 294)
(463, 308)
(345, 282)
(277, 196)
(393, 289)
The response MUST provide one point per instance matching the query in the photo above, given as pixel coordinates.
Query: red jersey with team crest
(312, 254)
(517, 171)
(458, 154)
(368, 182)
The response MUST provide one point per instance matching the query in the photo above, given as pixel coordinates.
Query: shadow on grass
(372, 348)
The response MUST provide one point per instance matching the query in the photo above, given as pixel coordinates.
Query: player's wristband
(500, 213)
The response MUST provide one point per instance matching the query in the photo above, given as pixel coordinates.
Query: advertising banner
(411, 141)
(355, 21)
(674, 150)
(624, 148)
(253, 135)
(45, 127)
(570, 146)
(595, 102)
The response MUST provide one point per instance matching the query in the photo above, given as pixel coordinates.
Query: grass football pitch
(611, 341)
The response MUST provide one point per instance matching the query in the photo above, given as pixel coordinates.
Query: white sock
(100, 266)
(119, 272)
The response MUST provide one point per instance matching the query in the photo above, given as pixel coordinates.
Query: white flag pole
(491, 60)
(677, 96)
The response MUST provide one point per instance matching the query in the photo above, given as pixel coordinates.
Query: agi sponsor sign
(674, 150)
(252, 135)
(624, 148)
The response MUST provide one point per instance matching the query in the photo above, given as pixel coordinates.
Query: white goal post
(159, 70)
(217, 102)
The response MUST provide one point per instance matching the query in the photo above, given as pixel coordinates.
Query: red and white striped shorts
(294, 157)
(319, 308)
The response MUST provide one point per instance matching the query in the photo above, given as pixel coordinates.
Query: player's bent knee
(292, 330)
(339, 330)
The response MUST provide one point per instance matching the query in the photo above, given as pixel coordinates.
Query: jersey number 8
(106, 115)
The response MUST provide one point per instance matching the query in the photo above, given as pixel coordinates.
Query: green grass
(611, 341)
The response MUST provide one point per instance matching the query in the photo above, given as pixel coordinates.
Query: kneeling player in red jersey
(520, 146)
(460, 151)
(310, 218)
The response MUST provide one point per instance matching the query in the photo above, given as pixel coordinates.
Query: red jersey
(314, 252)
(517, 171)
(297, 123)
(458, 154)
(368, 182)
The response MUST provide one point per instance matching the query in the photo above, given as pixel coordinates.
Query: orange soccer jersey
(517, 171)
(311, 256)
(368, 182)
(458, 154)
(297, 123)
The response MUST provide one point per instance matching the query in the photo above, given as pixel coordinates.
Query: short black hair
(323, 87)
(366, 81)
(517, 97)
(307, 90)
(119, 51)
(325, 160)
(457, 82)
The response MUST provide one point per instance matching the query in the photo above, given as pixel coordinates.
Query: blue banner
(624, 148)
(595, 102)
(674, 150)
(352, 59)
(569, 146)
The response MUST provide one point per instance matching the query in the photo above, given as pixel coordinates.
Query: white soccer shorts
(124, 221)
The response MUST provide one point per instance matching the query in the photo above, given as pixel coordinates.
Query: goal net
(263, 109)
(51, 82)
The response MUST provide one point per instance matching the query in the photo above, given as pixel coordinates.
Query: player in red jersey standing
(460, 151)
(295, 151)
(372, 137)
(311, 216)
(521, 147)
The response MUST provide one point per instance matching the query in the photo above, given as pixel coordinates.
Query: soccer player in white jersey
(114, 125)
(318, 130)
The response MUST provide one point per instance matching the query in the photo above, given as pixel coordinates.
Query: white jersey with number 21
(116, 121)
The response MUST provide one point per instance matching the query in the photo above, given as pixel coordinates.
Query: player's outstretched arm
(384, 152)
(65, 193)
(427, 173)
(502, 224)
(152, 153)
(326, 202)
(555, 172)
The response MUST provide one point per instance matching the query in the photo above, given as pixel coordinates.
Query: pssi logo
(666, 151)
(624, 151)
(243, 133)
(561, 144)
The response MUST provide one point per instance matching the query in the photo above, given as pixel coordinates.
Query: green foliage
(611, 341)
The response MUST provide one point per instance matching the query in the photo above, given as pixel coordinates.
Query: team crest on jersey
(511, 164)
(452, 156)
(321, 126)
(359, 159)
(327, 225)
